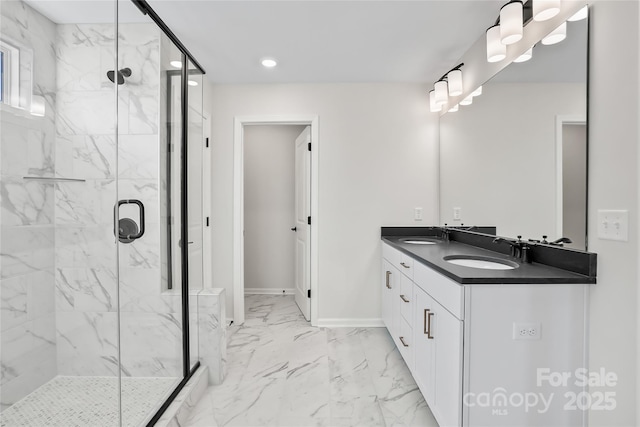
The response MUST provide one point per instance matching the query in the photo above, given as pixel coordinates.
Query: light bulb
(511, 22)
(441, 92)
(545, 9)
(525, 56)
(176, 64)
(467, 101)
(433, 107)
(556, 36)
(454, 79)
(496, 51)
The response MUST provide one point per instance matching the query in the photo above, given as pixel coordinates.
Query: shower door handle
(128, 238)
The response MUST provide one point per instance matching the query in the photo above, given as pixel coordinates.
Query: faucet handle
(544, 239)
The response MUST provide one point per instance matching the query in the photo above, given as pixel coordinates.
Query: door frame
(238, 205)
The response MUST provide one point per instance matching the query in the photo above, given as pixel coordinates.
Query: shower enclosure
(100, 223)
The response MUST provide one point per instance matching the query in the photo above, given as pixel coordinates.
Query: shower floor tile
(88, 402)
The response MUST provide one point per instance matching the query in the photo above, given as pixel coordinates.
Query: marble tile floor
(89, 402)
(283, 372)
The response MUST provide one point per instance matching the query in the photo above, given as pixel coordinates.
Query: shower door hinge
(206, 142)
(308, 293)
(309, 146)
(207, 221)
(309, 220)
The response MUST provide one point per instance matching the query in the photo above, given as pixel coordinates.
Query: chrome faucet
(561, 241)
(446, 233)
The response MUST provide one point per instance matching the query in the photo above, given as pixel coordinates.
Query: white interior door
(303, 228)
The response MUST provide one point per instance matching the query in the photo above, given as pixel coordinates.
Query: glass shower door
(149, 133)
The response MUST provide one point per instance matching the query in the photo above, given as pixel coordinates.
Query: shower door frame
(188, 372)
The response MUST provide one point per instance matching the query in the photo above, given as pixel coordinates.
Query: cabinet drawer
(405, 343)
(406, 298)
(404, 263)
(444, 290)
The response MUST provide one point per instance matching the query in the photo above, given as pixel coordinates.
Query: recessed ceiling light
(176, 64)
(269, 63)
(193, 83)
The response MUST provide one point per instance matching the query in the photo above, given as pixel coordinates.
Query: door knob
(294, 229)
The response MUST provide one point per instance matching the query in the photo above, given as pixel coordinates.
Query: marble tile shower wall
(27, 310)
(86, 281)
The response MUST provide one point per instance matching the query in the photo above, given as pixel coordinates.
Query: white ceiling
(313, 41)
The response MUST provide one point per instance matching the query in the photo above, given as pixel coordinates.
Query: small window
(10, 55)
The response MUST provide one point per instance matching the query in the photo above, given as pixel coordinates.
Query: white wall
(269, 207)
(378, 160)
(499, 154)
(613, 184)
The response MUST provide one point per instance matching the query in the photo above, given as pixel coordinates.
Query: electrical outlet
(456, 214)
(417, 214)
(526, 331)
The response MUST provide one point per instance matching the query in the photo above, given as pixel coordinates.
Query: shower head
(125, 72)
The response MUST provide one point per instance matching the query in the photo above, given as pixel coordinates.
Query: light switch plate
(417, 214)
(613, 225)
(457, 214)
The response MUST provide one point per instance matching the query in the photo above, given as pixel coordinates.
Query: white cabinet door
(447, 333)
(424, 363)
(388, 285)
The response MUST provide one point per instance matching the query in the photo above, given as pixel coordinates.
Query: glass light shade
(525, 56)
(193, 83)
(467, 101)
(580, 15)
(496, 51)
(545, 9)
(477, 92)
(454, 108)
(37, 106)
(511, 22)
(556, 36)
(433, 107)
(454, 79)
(441, 92)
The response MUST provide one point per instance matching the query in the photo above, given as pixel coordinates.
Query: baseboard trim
(266, 291)
(350, 323)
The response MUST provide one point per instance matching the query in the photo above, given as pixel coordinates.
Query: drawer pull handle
(403, 343)
(388, 281)
(427, 323)
(403, 298)
(405, 265)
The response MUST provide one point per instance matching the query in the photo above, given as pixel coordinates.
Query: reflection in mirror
(516, 157)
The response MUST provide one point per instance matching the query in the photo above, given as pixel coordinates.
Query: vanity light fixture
(176, 64)
(511, 21)
(269, 63)
(433, 107)
(580, 15)
(454, 82)
(556, 36)
(441, 92)
(496, 51)
(454, 108)
(525, 56)
(477, 92)
(545, 9)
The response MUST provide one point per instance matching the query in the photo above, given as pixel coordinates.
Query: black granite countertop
(533, 273)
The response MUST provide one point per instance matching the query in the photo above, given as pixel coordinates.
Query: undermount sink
(486, 263)
(419, 241)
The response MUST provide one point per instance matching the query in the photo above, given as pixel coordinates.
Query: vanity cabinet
(461, 345)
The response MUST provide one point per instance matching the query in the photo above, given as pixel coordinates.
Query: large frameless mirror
(516, 157)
